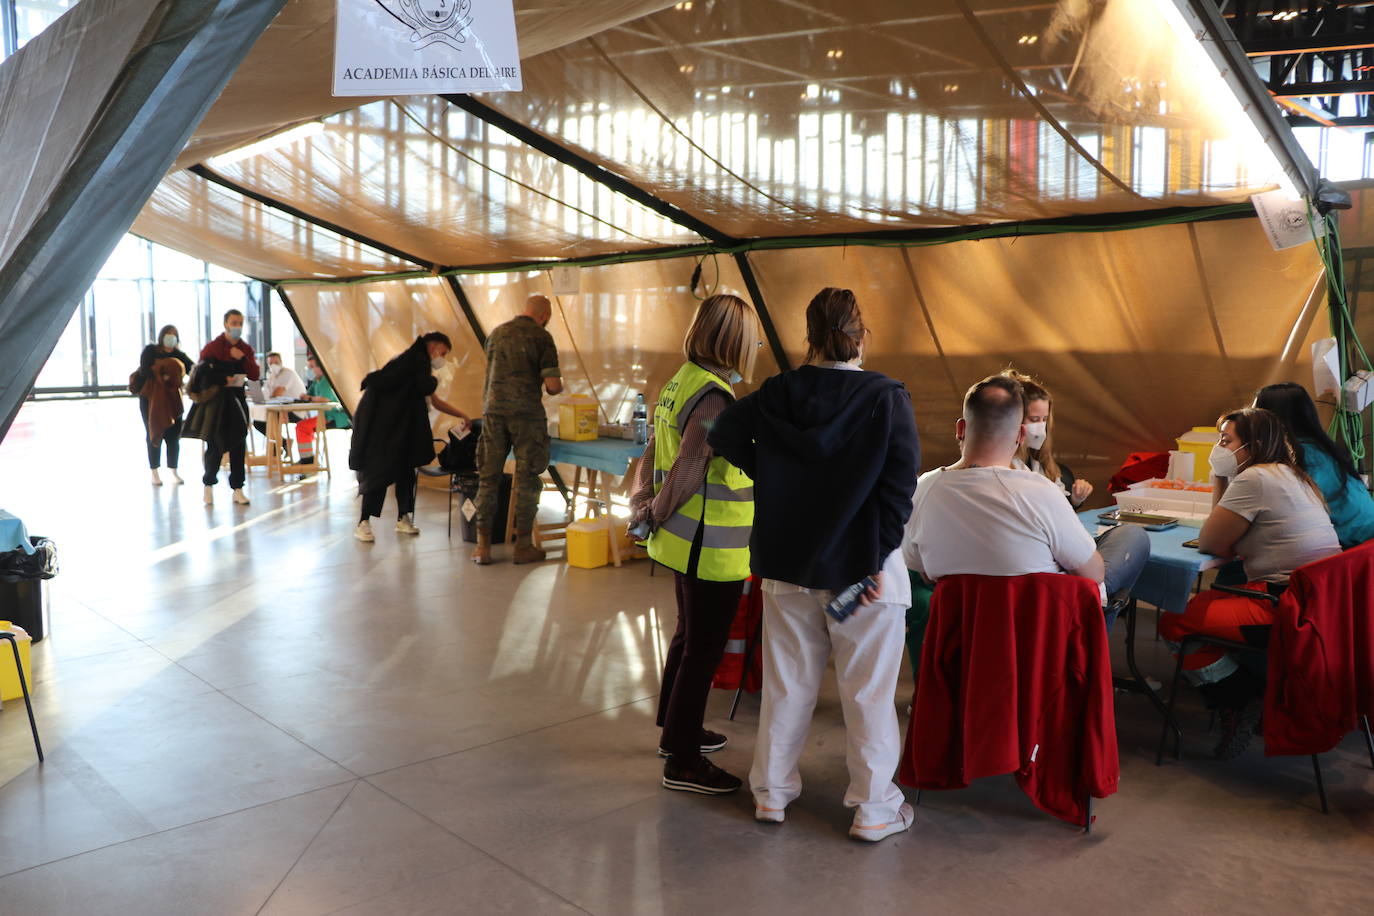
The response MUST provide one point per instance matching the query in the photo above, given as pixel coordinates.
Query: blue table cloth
(613, 456)
(13, 534)
(1168, 579)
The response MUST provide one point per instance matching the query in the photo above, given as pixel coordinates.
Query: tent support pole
(549, 147)
(291, 310)
(466, 306)
(752, 284)
(213, 177)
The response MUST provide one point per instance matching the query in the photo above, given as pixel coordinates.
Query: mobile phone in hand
(844, 604)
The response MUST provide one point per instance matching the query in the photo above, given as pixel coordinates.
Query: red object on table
(1321, 655)
(746, 629)
(1139, 466)
(1016, 677)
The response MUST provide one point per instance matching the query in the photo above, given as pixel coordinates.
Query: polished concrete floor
(248, 711)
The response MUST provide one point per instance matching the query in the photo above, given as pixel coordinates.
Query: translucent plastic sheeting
(1140, 335)
(49, 95)
(286, 78)
(436, 182)
(628, 323)
(788, 117)
(192, 215)
(356, 329)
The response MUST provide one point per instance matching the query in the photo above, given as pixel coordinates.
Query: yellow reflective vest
(724, 505)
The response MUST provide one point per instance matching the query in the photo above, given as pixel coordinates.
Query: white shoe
(240, 498)
(176, 478)
(769, 815)
(406, 524)
(364, 531)
(157, 481)
(872, 833)
(209, 496)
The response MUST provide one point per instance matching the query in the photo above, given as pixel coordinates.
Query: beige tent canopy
(1059, 185)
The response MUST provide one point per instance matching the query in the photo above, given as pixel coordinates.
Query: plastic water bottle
(641, 420)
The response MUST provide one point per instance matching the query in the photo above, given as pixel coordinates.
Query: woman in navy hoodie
(834, 455)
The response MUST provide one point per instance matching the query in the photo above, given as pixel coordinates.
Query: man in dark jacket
(391, 430)
(833, 453)
(228, 362)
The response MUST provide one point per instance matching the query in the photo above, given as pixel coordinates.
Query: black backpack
(459, 456)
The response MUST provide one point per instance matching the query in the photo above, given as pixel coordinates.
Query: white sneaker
(176, 478)
(209, 496)
(406, 524)
(769, 815)
(364, 531)
(240, 498)
(157, 481)
(872, 833)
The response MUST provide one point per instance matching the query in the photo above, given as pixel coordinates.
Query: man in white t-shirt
(981, 516)
(282, 384)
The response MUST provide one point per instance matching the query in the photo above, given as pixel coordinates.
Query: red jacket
(218, 350)
(1321, 655)
(1016, 677)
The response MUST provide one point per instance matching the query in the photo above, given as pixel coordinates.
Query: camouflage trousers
(529, 440)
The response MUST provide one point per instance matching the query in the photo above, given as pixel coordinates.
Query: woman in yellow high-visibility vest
(699, 510)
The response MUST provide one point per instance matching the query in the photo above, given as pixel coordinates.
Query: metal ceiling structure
(1316, 57)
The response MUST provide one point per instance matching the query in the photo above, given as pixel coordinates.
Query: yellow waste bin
(589, 544)
(1198, 442)
(577, 419)
(9, 678)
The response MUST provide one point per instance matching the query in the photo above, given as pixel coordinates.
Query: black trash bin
(21, 586)
(467, 486)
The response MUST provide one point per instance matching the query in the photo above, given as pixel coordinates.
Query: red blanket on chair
(1016, 677)
(1321, 655)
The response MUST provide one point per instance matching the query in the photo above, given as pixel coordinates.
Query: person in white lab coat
(833, 453)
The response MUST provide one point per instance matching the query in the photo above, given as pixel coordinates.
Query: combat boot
(481, 554)
(525, 551)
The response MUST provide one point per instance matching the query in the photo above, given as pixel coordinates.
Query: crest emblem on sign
(432, 21)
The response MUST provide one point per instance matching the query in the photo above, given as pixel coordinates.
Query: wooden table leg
(322, 441)
(610, 522)
(273, 454)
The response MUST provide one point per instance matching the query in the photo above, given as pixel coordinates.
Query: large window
(22, 20)
(143, 287)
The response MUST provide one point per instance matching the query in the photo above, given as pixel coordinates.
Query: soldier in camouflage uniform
(521, 360)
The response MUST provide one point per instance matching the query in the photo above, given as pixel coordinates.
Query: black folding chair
(1194, 641)
(24, 686)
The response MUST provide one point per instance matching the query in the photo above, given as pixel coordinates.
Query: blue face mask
(735, 377)
(234, 333)
(309, 374)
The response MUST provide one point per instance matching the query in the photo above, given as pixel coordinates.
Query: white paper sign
(1326, 366)
(1284, 219)
(414, 47)
(567, 280)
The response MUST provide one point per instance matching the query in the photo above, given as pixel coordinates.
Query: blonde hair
(724, 333)
(1035, 391)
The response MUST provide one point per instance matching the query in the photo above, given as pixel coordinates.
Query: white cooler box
(1190, 507)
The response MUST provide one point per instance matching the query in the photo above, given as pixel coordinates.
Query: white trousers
(798, 638)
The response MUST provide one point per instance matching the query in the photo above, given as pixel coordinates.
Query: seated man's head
(992, 425)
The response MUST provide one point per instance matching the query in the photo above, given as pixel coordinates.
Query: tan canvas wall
(628, 323)
(356, 329)
(1119, 326)
(1140, 335)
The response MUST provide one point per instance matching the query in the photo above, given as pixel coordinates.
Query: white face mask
(273, 368)
(1223, 461)
(436, 363)
(1035, 434)
(169, 340)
